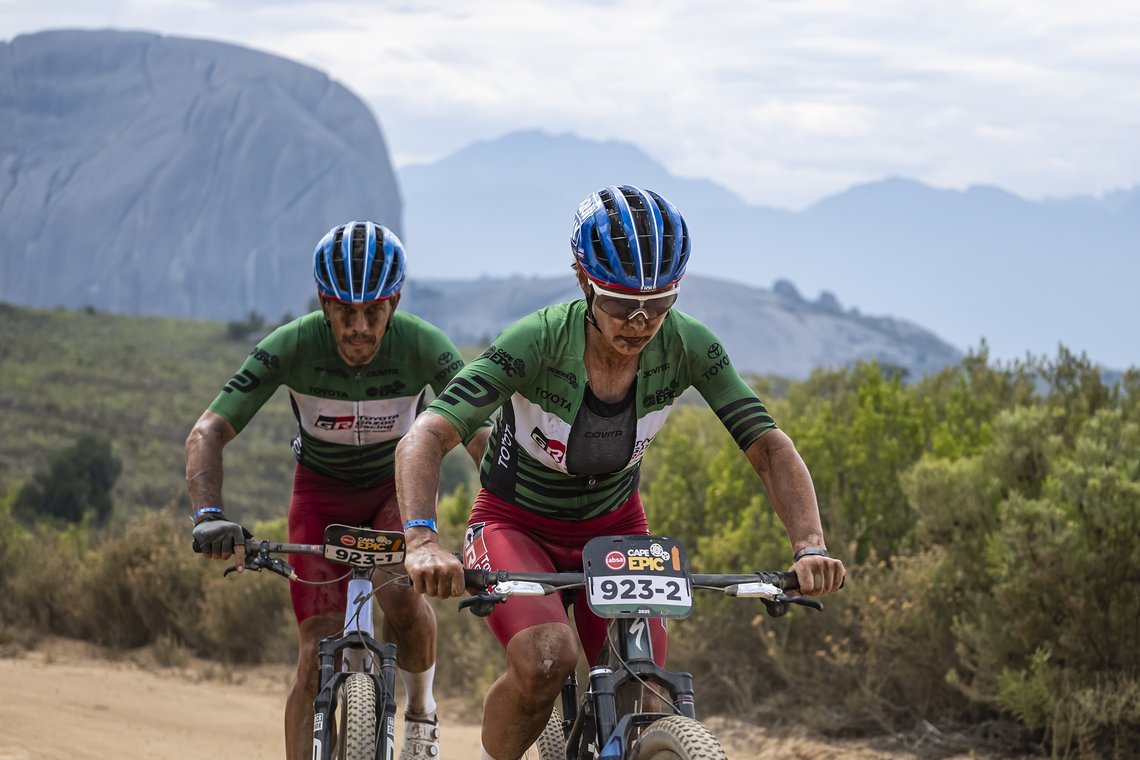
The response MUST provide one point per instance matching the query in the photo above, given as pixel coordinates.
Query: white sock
(421, 703)
(483, 755)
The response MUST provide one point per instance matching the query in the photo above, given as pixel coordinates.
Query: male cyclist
(582, 388)
(356, 372)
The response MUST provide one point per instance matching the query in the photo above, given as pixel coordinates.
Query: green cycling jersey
(350, 418)
(535, 374)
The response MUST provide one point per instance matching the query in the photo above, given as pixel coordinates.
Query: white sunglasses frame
(640, 298)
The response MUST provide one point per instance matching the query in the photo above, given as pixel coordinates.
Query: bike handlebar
(768, 586)
(475, 578)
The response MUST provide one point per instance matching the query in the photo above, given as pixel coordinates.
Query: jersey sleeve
(740, 410)
(481, 387)
(440, 356)
(262, 372)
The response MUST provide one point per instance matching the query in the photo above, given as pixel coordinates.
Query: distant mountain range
(157, 175)
(774, 332)
(973, 264)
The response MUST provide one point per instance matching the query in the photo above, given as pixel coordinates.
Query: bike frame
(598, 717)
(359, 652)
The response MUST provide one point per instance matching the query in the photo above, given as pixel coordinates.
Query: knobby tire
(356, 739)
(551, 742)
(676, 738)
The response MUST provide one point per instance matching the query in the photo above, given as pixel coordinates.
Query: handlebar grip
(475, 578)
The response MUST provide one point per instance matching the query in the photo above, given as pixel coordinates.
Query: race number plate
(637, 576)
(363, 547)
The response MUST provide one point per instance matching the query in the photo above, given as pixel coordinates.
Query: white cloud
(782, 101)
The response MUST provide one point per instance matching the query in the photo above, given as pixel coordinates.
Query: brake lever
(482, 604)
(805, 601)
(262, 561)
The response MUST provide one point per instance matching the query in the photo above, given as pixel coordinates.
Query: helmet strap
(589, 295)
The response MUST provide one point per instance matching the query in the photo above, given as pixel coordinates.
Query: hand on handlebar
(221, 539)
(819, 576)
(434, 571)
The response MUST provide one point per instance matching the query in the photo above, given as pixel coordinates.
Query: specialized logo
(243, 382)
(326, 422)
(615, 561)
(556, 449)
(474, 392)
(268, 360)
(570, 378)
(638, 628)
(511, 366)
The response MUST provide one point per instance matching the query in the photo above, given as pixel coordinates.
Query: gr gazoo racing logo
(615, 560)
(556, 449)
(329, 422)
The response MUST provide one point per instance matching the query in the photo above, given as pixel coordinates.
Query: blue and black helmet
(359, 262)
(630, 239)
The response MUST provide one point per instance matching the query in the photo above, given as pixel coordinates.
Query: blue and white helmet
(630, 239)
(359, 262)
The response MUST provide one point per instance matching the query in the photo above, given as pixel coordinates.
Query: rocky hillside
(766, 331)
(156, 175)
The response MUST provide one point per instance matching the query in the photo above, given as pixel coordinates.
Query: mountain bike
(354, 713)
(632, 708)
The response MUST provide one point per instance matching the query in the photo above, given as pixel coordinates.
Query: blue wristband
(206, 511)
(430, 524)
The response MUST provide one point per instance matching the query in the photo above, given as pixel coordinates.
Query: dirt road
(65, 701)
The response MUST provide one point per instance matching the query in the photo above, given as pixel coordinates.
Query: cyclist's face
(629, 335)
(358, 327)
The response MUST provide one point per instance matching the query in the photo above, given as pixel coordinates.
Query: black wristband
(809, 551)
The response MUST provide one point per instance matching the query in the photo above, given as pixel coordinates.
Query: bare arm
(477, 446)
(204, 459)
(792, 494)
(432, 569)
(204, 447)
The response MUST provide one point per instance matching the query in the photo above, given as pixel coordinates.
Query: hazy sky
(783, 101)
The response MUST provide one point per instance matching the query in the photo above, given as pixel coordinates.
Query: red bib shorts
(502, 536)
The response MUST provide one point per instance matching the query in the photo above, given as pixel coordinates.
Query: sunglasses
(626, 306)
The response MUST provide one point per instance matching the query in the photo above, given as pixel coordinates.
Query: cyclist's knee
(539, 659)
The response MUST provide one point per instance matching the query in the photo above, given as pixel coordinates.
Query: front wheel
(551, 743)
(676, 738)
(357, 735)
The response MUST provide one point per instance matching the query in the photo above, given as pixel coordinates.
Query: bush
(77, 481)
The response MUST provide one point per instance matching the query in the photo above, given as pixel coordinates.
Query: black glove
(219, 536)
